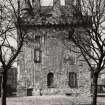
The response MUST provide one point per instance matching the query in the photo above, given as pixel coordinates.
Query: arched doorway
(50, 79)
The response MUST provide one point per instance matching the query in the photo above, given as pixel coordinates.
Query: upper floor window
(37, 41)
(37, 50)
(37, 55)
(50, 2)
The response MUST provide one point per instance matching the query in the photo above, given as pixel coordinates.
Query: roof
(49, 22)
(53, 17)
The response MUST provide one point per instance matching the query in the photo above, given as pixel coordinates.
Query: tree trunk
(3, 88)
(95, 79)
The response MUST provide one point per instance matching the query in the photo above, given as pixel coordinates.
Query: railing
(101, 88)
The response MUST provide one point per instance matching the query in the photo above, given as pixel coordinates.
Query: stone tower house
(47, 64)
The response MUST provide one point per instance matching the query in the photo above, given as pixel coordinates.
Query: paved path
(50, 100)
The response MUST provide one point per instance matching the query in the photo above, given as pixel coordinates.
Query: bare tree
(91, 41)
(10, 34)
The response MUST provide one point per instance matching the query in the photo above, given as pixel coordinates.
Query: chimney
(79, 4)
(27, 5)
(36, 5)
(56, 8)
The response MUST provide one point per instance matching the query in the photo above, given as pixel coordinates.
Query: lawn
(51, 100)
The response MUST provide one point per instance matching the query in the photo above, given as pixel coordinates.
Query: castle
(47, 64)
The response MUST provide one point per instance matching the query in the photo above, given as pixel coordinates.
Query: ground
(51, 100)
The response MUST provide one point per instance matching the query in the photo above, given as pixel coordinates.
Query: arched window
(50, 78)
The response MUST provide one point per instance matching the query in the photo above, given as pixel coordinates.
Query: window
(37, 55)
(72, 80)
(50, 77)
(46, 2)
(37, 50)
(37, 41)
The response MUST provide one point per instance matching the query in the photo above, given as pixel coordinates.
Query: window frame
(37, 39)
(39, 56)
(72, 80)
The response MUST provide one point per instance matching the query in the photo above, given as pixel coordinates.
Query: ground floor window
(72, 80)
(50, 80)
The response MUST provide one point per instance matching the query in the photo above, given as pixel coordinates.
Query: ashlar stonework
(47, 64)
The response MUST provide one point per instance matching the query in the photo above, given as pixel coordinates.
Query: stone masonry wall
(56, 56)
(54, 59)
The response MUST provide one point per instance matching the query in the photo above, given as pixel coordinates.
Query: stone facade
(45, 52)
